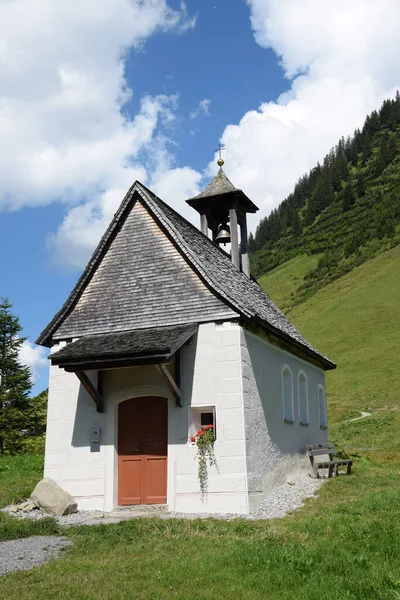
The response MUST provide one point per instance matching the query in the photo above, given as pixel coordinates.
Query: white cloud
(33, 357)
(203, 109)
(62, 86)
(343, 59)
(64, 137)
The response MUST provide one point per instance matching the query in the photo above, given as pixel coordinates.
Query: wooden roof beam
(171, 383)
(91, 390)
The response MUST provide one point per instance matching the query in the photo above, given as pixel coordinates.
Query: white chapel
(165, 332)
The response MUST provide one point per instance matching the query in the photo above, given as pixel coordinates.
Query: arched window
(303, 398)
(287, 394)
(323, 421)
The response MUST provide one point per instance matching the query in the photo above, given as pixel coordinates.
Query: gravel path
(282, 500)
(20, 555)
(363, 415)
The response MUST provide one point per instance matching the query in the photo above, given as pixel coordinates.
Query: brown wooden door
(142, 451)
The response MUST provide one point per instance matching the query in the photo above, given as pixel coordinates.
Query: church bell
(224, 235)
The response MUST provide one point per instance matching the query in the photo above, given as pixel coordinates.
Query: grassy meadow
(282, 283)
(345, 544)
(356, 322)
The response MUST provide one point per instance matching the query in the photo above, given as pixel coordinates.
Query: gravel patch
(79, 517)
(36, 514)
(279, 503)
(285, 498)
(24, 554)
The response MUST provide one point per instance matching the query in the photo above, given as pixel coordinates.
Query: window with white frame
(201, 416)
(323, 421)
(303, 398)
(287, 394)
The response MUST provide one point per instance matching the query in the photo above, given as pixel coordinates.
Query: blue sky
(94, 96)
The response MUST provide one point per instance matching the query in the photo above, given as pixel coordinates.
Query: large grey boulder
(52, 499)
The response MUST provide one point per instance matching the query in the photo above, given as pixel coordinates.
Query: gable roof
(140, 280)
(240, 295)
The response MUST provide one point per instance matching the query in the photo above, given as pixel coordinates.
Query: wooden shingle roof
(153, 345)
(219, 188)
(154, 268)
(220, 184)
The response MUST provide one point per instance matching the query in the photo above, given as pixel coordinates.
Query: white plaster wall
(89, 472)
(212, 377)
(69, 458)
(273, 447)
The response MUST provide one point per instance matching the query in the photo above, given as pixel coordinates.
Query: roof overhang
(225, 198)
(125, 349)
(288, 344)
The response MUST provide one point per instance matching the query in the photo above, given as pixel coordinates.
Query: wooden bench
(331, 464)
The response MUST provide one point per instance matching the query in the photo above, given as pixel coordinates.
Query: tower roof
(220, 187)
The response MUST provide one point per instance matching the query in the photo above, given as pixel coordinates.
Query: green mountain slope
(342, 213)
(356, 322)
(283, 281)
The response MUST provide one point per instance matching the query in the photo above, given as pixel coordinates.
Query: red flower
(192, 439)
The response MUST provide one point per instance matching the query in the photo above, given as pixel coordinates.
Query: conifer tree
(297, 228)
(323, 196)
(340, 169)
(361, 185)
(349, 197)
(15, 384)
(252, 245)
(379, 164)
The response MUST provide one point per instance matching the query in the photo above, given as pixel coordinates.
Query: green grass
(355, 321)
(345, 544)
(18, 477)
(282, 282)
(13, 529)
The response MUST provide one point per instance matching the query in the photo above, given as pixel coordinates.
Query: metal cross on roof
(220, 161)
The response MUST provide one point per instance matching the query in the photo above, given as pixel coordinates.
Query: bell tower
(223, 209)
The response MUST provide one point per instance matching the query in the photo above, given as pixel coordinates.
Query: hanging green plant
(204, 440)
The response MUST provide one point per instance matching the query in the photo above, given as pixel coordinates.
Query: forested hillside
(343, 212)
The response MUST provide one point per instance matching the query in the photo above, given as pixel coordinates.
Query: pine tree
(15, 384)
(388, 149)
(340, 170)
(379, 165)
(252, 244)
(361, 185)
(349, 197)
(297, 228)
(323, 195)
(366, 145)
